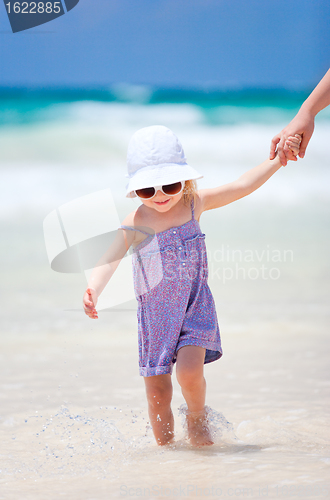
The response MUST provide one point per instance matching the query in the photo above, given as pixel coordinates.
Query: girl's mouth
(161, 202)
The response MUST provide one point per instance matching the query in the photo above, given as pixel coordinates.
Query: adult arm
(303, 122)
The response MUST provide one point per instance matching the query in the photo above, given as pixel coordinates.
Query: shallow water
(74, 418)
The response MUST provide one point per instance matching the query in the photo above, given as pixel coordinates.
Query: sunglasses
(168, 189)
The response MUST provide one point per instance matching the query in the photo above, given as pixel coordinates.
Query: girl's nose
(159, 193)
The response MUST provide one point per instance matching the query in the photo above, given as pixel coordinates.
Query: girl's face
(162, 202)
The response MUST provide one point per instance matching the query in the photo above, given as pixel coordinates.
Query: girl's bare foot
(165, 435)
(198, 428)
(166, 439)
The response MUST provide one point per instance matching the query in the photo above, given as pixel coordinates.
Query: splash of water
(220, 428)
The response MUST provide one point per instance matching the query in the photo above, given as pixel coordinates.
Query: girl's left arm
(246, 183)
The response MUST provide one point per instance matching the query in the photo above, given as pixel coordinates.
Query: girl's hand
(292, 145)
(89, 302)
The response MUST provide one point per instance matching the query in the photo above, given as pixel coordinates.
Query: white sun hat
(155, 157)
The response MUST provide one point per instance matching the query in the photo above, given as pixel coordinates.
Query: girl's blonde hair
(189, 191)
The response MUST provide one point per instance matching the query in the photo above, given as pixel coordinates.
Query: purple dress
(175, 303)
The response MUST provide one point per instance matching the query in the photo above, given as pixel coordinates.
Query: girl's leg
(190, 375)
(159, 395)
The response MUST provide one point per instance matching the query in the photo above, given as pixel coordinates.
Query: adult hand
(89, 301)
(302, 124)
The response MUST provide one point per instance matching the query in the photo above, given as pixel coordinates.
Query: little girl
(177, 321)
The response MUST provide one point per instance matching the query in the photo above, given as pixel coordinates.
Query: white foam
(82, 149)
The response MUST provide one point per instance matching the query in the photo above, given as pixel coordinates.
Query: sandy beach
(74, 421)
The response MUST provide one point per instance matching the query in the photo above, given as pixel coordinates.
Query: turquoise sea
(73, 417)
(48, 132)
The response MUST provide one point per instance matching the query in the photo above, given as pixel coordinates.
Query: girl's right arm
(105, 268)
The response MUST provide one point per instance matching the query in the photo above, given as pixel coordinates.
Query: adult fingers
(280, 151)
(273, 145)
(304, 143)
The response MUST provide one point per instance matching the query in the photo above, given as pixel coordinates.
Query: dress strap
(192, 209)
(131, 229)
(134, 229)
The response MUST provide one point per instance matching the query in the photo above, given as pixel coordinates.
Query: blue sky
(221, 43)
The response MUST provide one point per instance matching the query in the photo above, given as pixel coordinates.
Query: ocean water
(73, 418)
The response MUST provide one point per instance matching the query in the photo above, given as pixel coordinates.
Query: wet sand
(74, 422)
